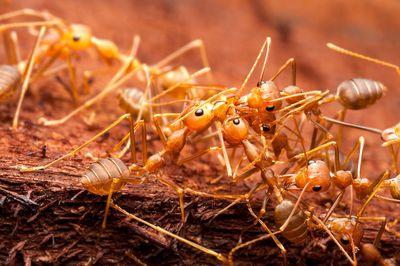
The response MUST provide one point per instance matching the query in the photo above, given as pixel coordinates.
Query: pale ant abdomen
(130, 101)
(359, 93)
(296, 230)
(9, 80)
(100, 175)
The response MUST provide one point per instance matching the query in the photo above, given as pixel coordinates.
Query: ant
(109, 175)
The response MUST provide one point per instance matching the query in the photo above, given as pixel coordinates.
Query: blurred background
(233, 32)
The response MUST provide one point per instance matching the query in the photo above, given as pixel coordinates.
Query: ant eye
(199, 112)
(317, 188)
(236, 121)
(76, 38)
(344, 240)
(270, 108)
(266, 128)
(261, 83)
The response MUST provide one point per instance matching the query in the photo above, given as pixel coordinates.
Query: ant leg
(224, 151)
(290, 62)
(156, 122)
(42, 167)
(44, 65)
(113, 84)
(364, 57)
(88, 103)
(114, 184)
(136, 259)
(373, 193)
(302, 105)
(25, 12)
(178, 190)
(29, 24)
(192, 45)
(286, 223)
(198, 154)
(72, 78)
(387, 199)
(27, 75)
(219, 256)
(177, 85)
(245, 174)
(273, 235)
(132, 141)
(337, 164)
(238, 199)
(298, 133)
(246, 244)
(335, 121)
(342, 115)
(333, 207)
(381, 228)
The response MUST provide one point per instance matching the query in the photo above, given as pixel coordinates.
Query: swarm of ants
(257, 133)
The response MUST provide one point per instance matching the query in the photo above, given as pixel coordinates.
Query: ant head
(78, 37)
(266, 91)
(346, 230)
(201, 118)
(316, 175)
(235, 130)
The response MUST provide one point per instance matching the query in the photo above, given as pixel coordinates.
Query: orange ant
(62, 41)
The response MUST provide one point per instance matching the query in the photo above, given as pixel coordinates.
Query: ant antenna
(361, 56)
(267, 40)
(265, 59)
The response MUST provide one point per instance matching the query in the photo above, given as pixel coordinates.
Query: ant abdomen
(130, 100)
(172, 78)
(9, 79)
(296, 230)
(359, 93)
(100, 175)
